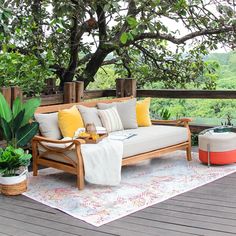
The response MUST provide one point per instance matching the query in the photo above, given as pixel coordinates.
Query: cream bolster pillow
(90, 115)
(110, 119)
(126, 111)
(48, 125)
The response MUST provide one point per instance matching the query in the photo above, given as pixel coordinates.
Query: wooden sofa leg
(80, 177)
(188, 153)
(34, 154)
(80, 169)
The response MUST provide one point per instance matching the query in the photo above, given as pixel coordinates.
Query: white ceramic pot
(14, 185)
(13, 179)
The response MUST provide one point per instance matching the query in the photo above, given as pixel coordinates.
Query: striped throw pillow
(110, 119)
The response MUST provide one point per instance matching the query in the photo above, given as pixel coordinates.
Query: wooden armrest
(48, 140)
(179, 121)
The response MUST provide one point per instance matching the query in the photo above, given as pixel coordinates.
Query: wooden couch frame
(77, 168)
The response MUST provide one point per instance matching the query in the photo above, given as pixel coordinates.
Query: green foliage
(175, 70)
(194, 139)
(226, 71)
(11, 159)
(228, 122)
(5, 110)
(124, 38)
(5, 15)
(104, 79)
(24, 71)
(74, 38)
(15, 126)
(165, 114)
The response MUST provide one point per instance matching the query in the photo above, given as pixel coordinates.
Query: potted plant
(17, 129)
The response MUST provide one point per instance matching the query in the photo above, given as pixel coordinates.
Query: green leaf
(17, 121)
(124, 38)
(30, 106)
(132, 21)
(26, 133)
(17, 106)
(130, 36)
(5, 110)
(6, 129)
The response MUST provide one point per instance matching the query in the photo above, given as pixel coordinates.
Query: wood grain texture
(93, 103)
(197, 212)
(184, 93)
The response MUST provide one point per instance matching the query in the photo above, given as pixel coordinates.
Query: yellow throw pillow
(69, 121)
(142, 112)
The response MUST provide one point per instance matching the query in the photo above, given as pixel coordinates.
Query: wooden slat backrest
(55, 108)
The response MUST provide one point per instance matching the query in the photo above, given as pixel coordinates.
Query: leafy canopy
(75, 38)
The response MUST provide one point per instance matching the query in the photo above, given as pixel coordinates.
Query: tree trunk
(92, 67)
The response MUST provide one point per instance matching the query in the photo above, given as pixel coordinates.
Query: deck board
(207, 210)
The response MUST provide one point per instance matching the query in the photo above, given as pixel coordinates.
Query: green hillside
(227, 70)
(206, 111)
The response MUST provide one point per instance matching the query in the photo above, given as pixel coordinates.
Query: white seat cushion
(147, 139)
(152, 138)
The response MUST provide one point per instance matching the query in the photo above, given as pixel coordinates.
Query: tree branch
(132, 11)
(112, 61)
(147, 53)
(101, 23)
(183, 39)
(125, 62)
(93, 65)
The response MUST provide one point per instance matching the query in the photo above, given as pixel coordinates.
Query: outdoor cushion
(126, 111)
(48, 125)
(147, 139)
(69, 121)
(90, 115)
(143, 114)
(152, 138)
(110, 119)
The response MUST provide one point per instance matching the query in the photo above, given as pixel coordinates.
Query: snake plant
(16, 124)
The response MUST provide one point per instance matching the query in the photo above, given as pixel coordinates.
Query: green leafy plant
(229, 120)
(24, 71)
(15, 123)
(194, 139)
(11, 159)
(165, 114)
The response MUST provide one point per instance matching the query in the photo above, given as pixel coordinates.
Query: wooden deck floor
(208, 210)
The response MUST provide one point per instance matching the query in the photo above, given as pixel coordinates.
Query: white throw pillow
(126, 111)
(110, 119)
(48, 125)
(89, 115)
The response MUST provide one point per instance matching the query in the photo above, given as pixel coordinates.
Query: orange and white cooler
(217, 148)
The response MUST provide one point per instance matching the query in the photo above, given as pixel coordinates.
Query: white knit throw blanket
(102, 162)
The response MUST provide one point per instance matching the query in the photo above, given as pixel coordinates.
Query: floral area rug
(142, 185)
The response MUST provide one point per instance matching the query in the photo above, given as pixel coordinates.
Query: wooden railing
(74, 92)
(190, 94)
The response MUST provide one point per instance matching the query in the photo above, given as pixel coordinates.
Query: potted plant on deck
(17, 129)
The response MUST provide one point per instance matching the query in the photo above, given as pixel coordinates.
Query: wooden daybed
(76, 167)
